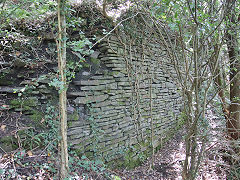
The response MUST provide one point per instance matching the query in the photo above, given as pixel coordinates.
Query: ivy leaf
(83, 157)
(172, 26)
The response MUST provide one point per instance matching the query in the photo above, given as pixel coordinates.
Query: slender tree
(232, 36)
(61, 47)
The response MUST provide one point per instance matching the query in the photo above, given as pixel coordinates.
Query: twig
(2, 149)
(112, 30)
(13, 163)
(194, 16)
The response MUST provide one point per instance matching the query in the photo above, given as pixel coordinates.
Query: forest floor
(168, 162)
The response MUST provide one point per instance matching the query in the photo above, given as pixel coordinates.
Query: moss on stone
(15, 103)
(74, 116)
(95, 61)
(135, 156)
(79, 151)
(8, 143)
(5, 82)
(69, 123)
(121, 102)
(89, 154)
(7, 77)
(36, 116)
(25, 104)
(28, 105)
(19, 63)
(129, 160)
(86, 65)
(119, 163)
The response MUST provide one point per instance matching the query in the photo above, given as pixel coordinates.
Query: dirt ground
(168, 162)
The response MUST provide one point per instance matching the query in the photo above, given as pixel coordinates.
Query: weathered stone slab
(90, 99)
(102, 77)
(170, 85)
(106, 123)
(107, 108)
(116, 96)
(29, 82)
(117, 69)
(163, 90)
(120, 76)
(79, 93)
(111, 58)
(102, 104)
(10, 89)
(116, 65)
(45, 91)
(95, 54)
(126, 83)
(79, 132)
(106, 81)
(117, 61)
(81, 142)
(109, 114)
(111, 86)
(93, 88)
(89, 82)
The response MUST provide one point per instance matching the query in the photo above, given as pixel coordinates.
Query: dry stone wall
(129, 99)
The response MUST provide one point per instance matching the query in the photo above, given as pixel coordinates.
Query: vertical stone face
(116, 99)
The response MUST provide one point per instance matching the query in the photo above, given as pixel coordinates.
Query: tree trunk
(219, 80)
(233, 123)
(61, 43)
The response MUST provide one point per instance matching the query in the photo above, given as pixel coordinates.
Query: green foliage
(74, 23)
(47, 136)
(58, 84)
(116, 178)
(79, 47)
(96, 134)
(133, 157)
(234, 173)
(26, 104)
(18, 20)
(31, 138)
(50, 136)
(8, 143)
(95, 61)
(76, 163)
(36, 116)
(73, 116)
(26, 9)
(181, 14)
